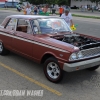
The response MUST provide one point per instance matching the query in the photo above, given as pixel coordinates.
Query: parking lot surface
(19, 73)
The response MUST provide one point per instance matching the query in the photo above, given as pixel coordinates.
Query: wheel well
(45, 57)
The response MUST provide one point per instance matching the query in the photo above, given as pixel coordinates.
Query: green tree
(96, 1)
(59, 2)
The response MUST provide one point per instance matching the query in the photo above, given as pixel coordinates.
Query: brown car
(49, 40)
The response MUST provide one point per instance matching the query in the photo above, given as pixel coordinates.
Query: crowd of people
(33, 9)
(89, 7)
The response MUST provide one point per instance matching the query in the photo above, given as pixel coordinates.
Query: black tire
(93, 68)
(55, 72)
(3, 51)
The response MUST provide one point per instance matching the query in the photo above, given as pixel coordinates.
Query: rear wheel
(3, 51)
(52, 70)
(93, 68)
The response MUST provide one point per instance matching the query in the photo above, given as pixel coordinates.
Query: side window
(24, 26)
(21, 22)
(12, 24)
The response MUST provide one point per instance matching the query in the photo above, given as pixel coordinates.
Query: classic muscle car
(50, 41)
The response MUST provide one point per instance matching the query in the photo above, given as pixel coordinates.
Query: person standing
(32, 7)
(28, 10)
(85, 7)
(24, 10)
(40, 10)
(35, 10)
(5, 4)
(92, 8)
(68, 17)
(18, 7)
(61, 10)
(45, 9)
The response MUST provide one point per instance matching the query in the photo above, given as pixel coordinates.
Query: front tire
(3, 51)
(93, 68)
(52, 70)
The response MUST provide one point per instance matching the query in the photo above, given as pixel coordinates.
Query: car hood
(46, 39)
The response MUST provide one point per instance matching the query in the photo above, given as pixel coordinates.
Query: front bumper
(81, 65)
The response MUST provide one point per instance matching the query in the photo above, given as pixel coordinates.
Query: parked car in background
(74, 7)
(50, 41)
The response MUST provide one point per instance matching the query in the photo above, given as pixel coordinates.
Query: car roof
(31, 16)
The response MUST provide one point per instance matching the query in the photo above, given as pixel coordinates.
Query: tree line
(59, 2)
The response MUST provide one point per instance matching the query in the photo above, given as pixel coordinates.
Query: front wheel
(52, 70)
(93, 68)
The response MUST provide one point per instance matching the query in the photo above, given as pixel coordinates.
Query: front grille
(92, 52)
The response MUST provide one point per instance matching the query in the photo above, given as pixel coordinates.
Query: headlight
(73, 56)
(79, 54)
(76, 56)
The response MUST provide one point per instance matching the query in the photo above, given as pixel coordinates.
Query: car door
(22, 43)
(8, 33)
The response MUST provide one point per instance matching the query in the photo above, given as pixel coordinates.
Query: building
(8, 3)
(82, 2)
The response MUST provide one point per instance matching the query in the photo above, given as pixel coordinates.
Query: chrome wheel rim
(1, 47)
(53, 70)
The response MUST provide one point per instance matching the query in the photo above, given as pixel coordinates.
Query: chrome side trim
(41, 44)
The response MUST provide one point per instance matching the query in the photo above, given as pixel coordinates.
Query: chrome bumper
(81, 65)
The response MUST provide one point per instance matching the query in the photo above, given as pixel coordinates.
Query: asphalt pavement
(19, 73)
(73, 11)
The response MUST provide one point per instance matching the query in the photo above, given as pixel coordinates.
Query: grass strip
(94, 17)
(75, 15)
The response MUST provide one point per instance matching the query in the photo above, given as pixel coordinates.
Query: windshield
(53, 25)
